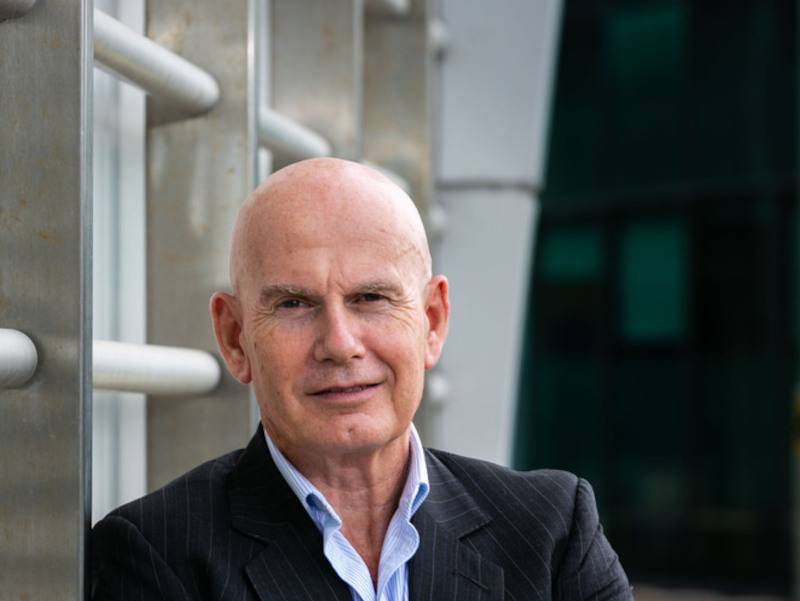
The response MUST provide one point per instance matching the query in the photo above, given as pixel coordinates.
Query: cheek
(405, 356)
(275, 360)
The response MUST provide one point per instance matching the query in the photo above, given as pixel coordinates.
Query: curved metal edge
(13, 9)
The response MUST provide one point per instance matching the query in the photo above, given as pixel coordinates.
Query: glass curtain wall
(661, 343)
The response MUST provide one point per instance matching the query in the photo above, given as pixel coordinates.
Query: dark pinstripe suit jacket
(233, 529)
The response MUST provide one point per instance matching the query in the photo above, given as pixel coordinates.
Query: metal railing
(395, 177)
(158, 71)
(165, 75)
(120, 366)
(388, 7)
(289, 139)
(12, 9)
(18, 358)
(153, 369)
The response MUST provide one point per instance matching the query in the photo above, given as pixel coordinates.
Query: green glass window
(660, 356)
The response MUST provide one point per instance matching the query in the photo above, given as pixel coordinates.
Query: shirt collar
(414, 492)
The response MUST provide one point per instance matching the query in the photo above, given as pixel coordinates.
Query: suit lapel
(291, 565)
(446, 567)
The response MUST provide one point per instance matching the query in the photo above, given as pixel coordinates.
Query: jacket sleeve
(126, 566)
(589, 568)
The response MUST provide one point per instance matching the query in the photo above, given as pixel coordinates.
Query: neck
(364, 490)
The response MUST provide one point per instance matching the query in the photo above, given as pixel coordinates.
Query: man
(333, 319)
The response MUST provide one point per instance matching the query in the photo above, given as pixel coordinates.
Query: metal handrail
(156, 70)
(120, 366)
(287, 138)
(13, 9)
(152, 369)
(398, 179)
(389, 7)
(18, 358)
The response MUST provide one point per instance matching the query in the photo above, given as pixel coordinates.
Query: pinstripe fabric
(401, 539)
(233, 529)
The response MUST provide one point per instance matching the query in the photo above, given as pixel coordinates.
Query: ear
(437, 312)
(226, 315)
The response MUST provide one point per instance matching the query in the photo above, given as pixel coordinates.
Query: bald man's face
(339, 318)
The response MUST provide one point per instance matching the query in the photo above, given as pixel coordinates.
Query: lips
(352, 389)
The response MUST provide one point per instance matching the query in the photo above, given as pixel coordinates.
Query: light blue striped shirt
(402, 538)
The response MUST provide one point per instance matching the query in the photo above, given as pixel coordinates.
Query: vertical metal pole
(316, 68)
(397, 96)
(199, 170)
(45, 291)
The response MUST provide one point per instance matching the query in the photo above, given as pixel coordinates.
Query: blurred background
(609, 185)
(661, 338)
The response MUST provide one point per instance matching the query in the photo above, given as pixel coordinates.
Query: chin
(360, 435)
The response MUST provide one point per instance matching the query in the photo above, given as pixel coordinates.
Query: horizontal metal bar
(153, 369)
(288, 139)
(18, 358)
(439, 37)
(389, 7)
(160, 72)
(12, 9)
(398, 179)
(121, 366)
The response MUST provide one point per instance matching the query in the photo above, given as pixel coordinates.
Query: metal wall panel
(316, 68)
(486, 255)
(496, 89)
(45, 291)
(397, 84)
(496, 82)
(199, 172)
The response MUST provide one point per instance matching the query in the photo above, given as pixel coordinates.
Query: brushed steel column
(45, 292)
(199, 170)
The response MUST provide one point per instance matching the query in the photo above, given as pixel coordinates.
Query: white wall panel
(486, 258)
(496, 84)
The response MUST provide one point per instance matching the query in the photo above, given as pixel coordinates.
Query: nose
(338, 340)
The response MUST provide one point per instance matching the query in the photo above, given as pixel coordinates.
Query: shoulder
(541, 526)
(147, 547)
(199, 494)
(546, 506)
(500, 486)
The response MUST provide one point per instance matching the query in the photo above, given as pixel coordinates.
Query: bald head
(312, 202)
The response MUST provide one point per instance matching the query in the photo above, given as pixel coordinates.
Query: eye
(371, 297)
(291, 303)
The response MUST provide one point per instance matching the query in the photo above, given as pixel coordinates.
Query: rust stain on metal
(328, 38)
(48, 236)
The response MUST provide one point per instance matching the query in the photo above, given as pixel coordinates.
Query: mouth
(344, 390)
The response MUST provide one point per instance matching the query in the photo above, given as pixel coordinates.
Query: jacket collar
(292, 566)
(445, 566)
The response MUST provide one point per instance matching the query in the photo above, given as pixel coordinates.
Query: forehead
(310, 238)
(328, 211)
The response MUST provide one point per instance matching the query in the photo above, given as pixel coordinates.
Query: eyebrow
(378, 286)
(271, 292)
